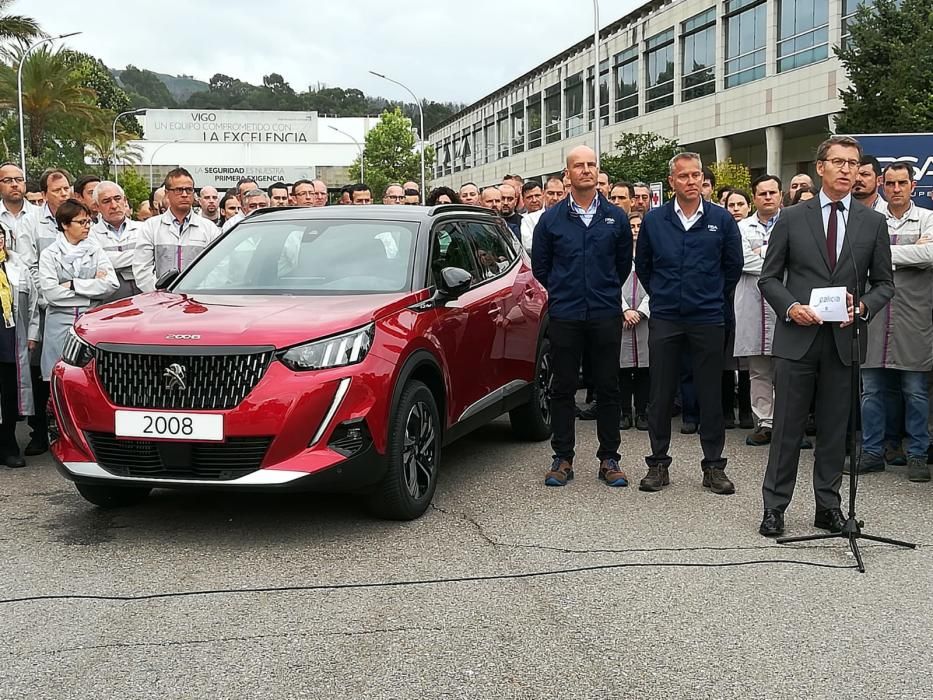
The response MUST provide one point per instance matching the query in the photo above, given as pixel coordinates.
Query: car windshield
(306, 257)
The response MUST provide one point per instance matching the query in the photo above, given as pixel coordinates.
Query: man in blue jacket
(689, 259)
(582, 254)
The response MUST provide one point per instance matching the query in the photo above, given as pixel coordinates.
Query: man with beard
(209, 201)
(507, 209)
(867, 180)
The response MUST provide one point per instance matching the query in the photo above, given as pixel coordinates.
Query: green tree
(16, 27)
(390, 154)
(99, 148)
(55, 101)
(640, 157)
(730, 174)
(145, 89)
(889, 61)
(135, 186)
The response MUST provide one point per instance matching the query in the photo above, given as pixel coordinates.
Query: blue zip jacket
(689, 275)
(582, 268)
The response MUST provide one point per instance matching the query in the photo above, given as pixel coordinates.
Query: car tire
(532, 420)
(113, 496)
(413, 456)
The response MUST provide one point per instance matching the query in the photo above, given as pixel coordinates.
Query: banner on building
(225, 176)
(230, 126)
(916, 149)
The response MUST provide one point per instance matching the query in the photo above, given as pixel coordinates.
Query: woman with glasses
(19, 333)
(75, 274)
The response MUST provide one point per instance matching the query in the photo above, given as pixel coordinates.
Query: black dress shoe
(831, 519)
(35, 448)
(14, 462)
(625, 422)
(772, 524)
(688, 428)
(641, 421)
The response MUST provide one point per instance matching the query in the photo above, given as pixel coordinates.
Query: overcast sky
(443, 50)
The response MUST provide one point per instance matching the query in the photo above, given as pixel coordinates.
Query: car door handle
(494, 310)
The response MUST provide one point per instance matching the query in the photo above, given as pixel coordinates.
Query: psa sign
(916, 149)
(231, 126)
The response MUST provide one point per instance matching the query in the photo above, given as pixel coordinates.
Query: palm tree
(52, 93)
(16, 27)
(100, 149)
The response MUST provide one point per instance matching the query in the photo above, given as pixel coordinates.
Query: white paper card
(830, 303)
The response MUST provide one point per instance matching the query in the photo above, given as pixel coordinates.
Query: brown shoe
(611, 473)
(762, 436)
(656, 479)
(559, 474)
(715, 480)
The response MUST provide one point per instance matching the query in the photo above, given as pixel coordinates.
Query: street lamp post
(152, 158)
(19, 93)
(113, 143)
(340, 131)
(597, 116)
(421, 132)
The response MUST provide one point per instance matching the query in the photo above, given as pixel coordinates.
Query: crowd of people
(666, 309)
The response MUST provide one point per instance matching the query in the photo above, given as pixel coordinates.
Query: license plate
(157, 425)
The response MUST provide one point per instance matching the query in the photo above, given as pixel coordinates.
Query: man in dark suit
(828, 241)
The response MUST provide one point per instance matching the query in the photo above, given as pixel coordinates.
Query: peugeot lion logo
(174, 376)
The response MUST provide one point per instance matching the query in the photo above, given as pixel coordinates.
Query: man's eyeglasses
(395, 197)
(180, 190)
(840, 163)
(11, 180)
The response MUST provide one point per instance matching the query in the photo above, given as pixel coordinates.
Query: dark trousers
(690, 409)
(634, 382)
(39, 421)
(600, 340)
(9, 409)
(667, 341)
(819, 374)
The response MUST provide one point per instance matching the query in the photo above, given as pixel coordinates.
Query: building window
(603, 95)
(746, 37)
(446, 159)
(502, 130)
(573, 97)
(849, 8)
(533, 114)
(518, 127)
(479, 152)
(552, 130)
(490, 141)
(803, 33)
(659, 71)
(698, 66)
(626, 84)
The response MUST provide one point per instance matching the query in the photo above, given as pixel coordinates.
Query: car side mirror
(166, 280)
(454, 283)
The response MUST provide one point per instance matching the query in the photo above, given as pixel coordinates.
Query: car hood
(163, 318)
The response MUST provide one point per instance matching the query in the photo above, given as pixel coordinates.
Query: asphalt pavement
(505, 589)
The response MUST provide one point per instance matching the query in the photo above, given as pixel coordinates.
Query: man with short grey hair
(319, 196)
(469, 194)
(117, 235)
(491, 198)
(701, 243)
(394, 194)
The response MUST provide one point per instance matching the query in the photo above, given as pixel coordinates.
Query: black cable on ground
(421, 582)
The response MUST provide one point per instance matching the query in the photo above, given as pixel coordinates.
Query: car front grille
(207, 461)
(209, 381)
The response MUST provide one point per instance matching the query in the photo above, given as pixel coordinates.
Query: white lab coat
(120, 247)
(161, 246)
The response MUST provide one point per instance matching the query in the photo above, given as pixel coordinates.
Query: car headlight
(336, 351)
(76, 352)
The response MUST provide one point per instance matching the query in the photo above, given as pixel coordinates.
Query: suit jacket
(797, 262)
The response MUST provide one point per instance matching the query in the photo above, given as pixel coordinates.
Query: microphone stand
(852, 529)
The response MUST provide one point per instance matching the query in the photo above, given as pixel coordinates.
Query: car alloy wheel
(544, 379)
(419, 454)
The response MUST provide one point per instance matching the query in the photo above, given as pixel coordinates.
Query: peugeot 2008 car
(332, 349)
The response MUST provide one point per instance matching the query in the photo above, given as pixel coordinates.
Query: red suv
(325, 349)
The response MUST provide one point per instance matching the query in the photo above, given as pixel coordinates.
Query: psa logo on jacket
(712, 227)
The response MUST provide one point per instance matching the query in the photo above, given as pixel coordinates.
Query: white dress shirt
(841, 218)
(684, 219)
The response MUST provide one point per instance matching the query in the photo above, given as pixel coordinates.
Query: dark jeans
(667, 341)
(39, 421)
(9, 409)
(634, 382)
(600, 340)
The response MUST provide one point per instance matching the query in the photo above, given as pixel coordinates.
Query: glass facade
(698, 65)
(573, 100)
(490, 141)
(502, 133)
(626, 77)
(552, 130)
(518, 127)
(803, 33)
(603, 95)
(659, 71)
(746, 35)
(533, 115)
(848, 12)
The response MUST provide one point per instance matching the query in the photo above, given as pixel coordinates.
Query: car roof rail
(448, 208)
